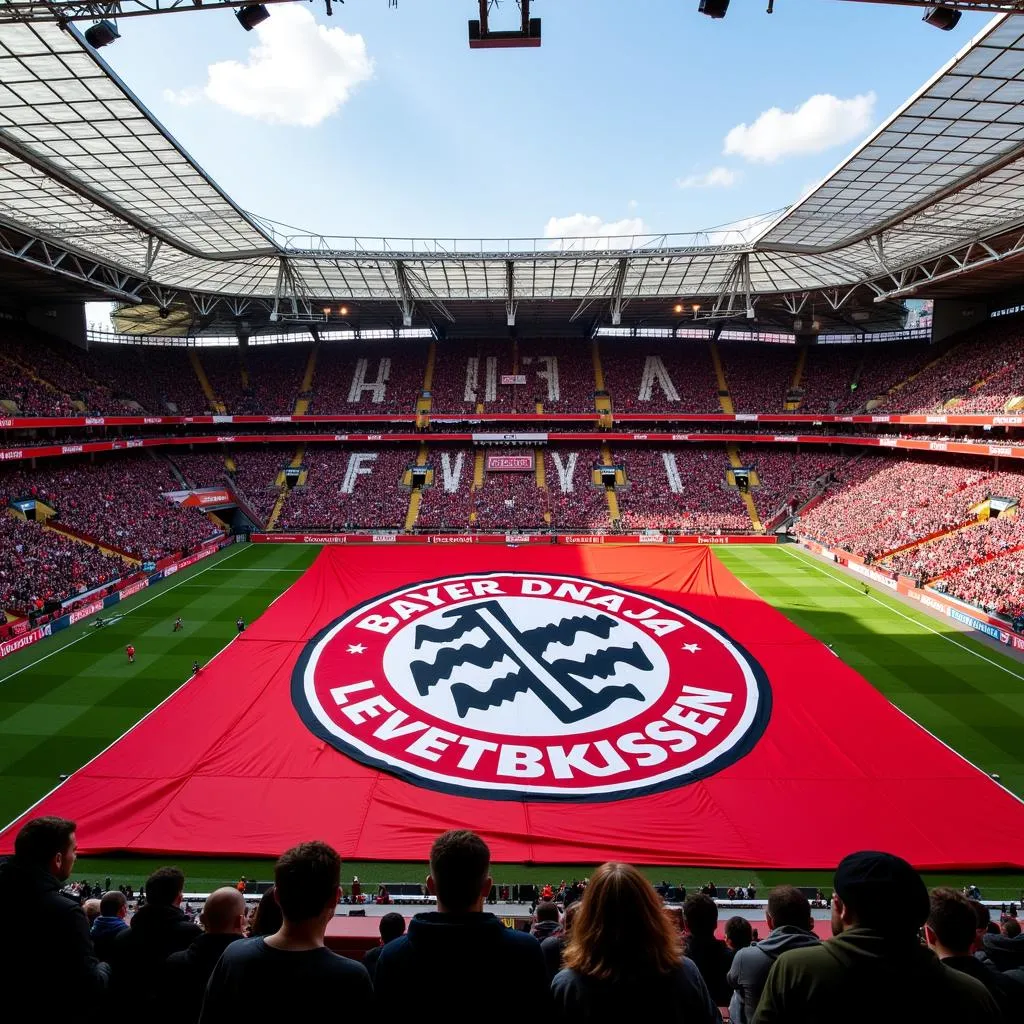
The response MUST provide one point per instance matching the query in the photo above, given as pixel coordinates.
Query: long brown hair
(621, 929)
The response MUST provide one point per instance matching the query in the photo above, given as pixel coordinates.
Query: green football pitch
(67, 698)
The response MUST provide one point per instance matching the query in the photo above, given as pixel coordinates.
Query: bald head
(92, 909)
(224, 912)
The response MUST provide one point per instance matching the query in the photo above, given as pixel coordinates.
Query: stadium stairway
(424, 402)
(748, 499)
(415, 493)
(724, 398)
(281, 482)
(792, 404)
(302, 404)
(602, 402)
(204, 382)
(541, 477)
(609, 492)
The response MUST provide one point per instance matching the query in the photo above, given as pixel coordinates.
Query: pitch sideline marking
(903, 615)
(141, 604)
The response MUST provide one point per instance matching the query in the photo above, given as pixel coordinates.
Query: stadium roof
(87, 174)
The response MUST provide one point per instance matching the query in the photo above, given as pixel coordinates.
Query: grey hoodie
(750, 968)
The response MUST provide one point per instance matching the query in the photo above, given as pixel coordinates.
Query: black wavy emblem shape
(556, 683)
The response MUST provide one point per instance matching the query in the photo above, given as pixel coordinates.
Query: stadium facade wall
(125, 589)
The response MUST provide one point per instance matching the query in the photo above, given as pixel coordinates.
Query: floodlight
(251, 15)
(713, 8)
(103, 33)
(942, 17)
(678, 308)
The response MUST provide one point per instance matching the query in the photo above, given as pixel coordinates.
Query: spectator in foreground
(452, 954)
(790, 926)
(949, 932)
(292, 975)
(553, 947)
(158, 929)
(711, 955)
(624, 959)
(188, 971)
(392, 926)
(45, 949)
(739, 933)
(546, 921)
(1004, 951)
(110, 923)
(92, 911)
(267, 918)
(875, 967)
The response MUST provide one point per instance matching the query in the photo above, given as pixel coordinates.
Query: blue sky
(398, 129)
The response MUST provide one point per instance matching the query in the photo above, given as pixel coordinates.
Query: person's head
(459, 872)
(223, 912)
(951, 925)
(49, 844)
(391, 927)
(621, 929)
(788, 906)
(878, 891)
(569, 916)
(1011, 928)
(307, 882)
(738, 933)
(700, 914)
(982, 919)
(114, 904)
(267, 920)
(164, 887)
(547, 911)
(92, 909)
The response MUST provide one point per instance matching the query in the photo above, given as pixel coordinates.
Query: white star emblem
(356, 648)
(691, 648)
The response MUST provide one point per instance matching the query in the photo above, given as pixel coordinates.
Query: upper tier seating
(644, 376)
(368, 379)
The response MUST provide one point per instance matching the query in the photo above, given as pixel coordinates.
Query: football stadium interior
(703, 552)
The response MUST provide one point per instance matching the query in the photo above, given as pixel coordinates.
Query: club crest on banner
(531, 686)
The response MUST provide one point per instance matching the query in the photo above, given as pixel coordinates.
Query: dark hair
(621, 930)
(982, 917)
(307, 877)
(787, 905)
(739, 932)
(701, 914)
(391, 926)
(459, 861)
(1011, 927)
(569, 916)
(547, 911)
(952, 919)
(112, 902)
(268, 918)
(164, 886)
(41, 839)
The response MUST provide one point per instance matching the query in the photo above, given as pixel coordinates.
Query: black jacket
(1008, 993)
(45, 949)
(1001, 953)
(679, 996)
(187, 973)
(139, 954)
(713, 959)
(458, 954)
(552, 948)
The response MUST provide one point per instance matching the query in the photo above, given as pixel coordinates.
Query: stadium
(701, 552)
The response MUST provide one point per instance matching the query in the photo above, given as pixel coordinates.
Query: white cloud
(633, 204)
(595, 231)
(717, 177)
(821, 122)
(299, 73)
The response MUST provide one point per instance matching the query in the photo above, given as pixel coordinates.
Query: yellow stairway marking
(724, 398)
(204, 382)
(602, 403)
(423, 405)
(302, 404)
(801, 362)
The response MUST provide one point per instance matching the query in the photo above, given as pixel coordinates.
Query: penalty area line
(128, 611)
(903, 615)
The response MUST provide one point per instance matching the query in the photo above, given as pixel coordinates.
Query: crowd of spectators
(376, 497)
(446, 503)
(704, 502)
(882, 502)
(38, 566)
(572, 365)
(829, 371)
(759, 376)
(201, 467)
(263, 380)
(897, 952)
(510, 501)
(785, 476)
(687, 364)
(255, 476)
(160, 378)
(455, 388)
(996, 586)
(575, 503)
(117, 501)
(30, 396)
(987, 539)
(399, 369)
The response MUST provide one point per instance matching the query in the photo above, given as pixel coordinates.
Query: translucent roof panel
(959, 127)
(62, 109)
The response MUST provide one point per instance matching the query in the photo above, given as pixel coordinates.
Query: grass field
(66, 699)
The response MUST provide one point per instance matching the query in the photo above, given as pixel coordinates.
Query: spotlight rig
(942, 16)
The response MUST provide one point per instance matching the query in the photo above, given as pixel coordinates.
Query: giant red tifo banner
(570, 704)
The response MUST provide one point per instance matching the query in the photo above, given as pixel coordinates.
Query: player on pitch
(130, 651)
